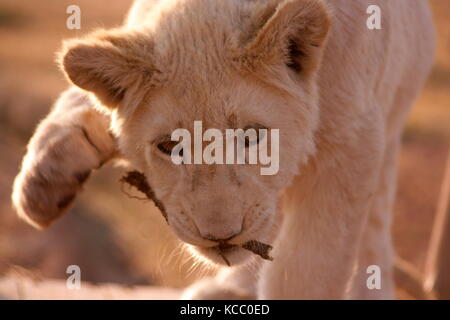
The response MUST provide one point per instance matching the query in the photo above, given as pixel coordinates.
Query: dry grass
(115, 239)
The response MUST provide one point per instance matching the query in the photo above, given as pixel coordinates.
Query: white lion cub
(337, 91)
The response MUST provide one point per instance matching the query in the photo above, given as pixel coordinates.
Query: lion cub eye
(167, 146)
(259, 135)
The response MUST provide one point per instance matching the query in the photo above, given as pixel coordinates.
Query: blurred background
(117, 239)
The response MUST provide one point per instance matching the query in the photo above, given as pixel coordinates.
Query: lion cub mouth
(226, 247)
(256, 247)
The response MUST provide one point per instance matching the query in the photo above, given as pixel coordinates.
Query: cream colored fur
(338, 92)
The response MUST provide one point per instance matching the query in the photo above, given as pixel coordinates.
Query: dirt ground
(117, 239)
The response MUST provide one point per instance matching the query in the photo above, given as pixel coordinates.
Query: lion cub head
(230, 65)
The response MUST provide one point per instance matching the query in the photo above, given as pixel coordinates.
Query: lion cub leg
(71, 142)
(325, 210)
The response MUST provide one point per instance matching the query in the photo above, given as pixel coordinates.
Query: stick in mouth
(139, 181)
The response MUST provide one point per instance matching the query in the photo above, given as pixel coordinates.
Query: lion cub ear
(291, 31)
(108, 63)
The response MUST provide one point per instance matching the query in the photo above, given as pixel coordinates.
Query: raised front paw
(66, 147)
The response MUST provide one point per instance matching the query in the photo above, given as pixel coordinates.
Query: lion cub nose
(216, 226)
